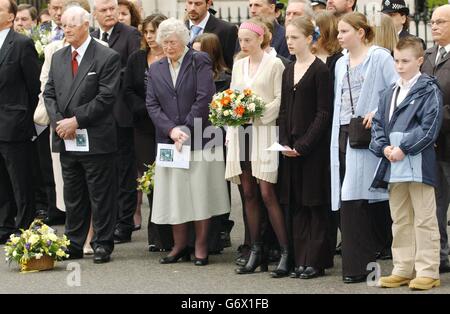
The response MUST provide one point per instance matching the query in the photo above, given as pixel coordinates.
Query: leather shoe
(121, 236)
(184, 255)
(59, 219)
(74, 254)
(354, 279)
(297, 271)
(201, 261)
(444, 267)
(311, 272)
(101, 256)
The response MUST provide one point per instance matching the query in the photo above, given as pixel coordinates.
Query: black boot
(282, 269)
(256, 259)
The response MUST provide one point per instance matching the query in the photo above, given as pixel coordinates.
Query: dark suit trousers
(90, 189)
(311, 227)
(127, 172)
(442, 201)
(44, 191)
(16, 192)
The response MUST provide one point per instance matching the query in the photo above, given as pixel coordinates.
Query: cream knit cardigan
(267, 85)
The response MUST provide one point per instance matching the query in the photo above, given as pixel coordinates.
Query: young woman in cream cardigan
(258, 168)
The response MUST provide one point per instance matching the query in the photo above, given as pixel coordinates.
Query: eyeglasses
(171, 43)
(437, 22)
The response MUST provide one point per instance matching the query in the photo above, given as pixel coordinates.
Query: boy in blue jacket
(404, 130)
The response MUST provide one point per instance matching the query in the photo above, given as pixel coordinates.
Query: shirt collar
(180, 61)
(447, 48)
(202, 24)
(109, 32)
(408, 84)
(4, 33)
(82, 49)
(54, 26)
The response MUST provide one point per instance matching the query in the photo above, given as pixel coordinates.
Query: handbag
(358, 136)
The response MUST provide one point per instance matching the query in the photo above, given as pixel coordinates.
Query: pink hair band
(252, 27)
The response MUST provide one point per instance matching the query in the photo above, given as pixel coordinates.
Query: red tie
(74, 63)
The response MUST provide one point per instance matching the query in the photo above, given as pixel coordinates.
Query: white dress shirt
(438, 56)
(108, 32)
(202, 24)
(3, 35)
(82, 49)
(405, 87)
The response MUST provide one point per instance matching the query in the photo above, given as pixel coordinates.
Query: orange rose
(214, 105)
(240, 110)
(247, 92)
(229, 91)
(225, 101)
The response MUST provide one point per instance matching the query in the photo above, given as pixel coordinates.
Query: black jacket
(125, 40)
(90, 96)
(19, 87)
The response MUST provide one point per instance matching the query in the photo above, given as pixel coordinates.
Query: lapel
(85, 65)
(447, 56)
(184, 66)
(432, 53)
(115, 34)
(165, 72)
(96, 33)
(7, 45)
(387, 110)
(210, 25)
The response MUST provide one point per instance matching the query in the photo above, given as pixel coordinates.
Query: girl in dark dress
(304, 124)
(159, 237)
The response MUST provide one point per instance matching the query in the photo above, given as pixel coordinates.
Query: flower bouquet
(147, 181)
(234, 108)
(36, 248)
(41, 38)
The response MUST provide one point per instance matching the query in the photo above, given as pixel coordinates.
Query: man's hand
(397, 155)
(66, 128)
(290, 152)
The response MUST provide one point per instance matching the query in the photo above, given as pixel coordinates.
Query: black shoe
(244, 253)
(297, 271)
(59, 219)
(121, 236)
(74, 254)
(385, 254)
(184, 255)
(311, 272)
(282, 269)
(255, 260)
(136, 227)
(201, 261)
(444, 267)
(101, 256)
(354, 279)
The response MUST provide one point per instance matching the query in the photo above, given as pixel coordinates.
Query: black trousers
(311, 227)
(90, 190)
(358, 244)
(16, 193)
(44, 179)
(126, 173)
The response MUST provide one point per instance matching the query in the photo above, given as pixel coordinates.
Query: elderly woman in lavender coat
(180, 88)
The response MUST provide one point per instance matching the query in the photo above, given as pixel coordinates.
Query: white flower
(252, 107)
(33, 239)
(226, 113)
(52, 237)
(38, 256)
(240, 97)
(14, 254)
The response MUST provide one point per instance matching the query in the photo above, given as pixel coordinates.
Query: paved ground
(135, 270)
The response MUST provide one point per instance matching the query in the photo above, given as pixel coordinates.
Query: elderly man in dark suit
(201, 20)
(437, 63)
(79, 96)
(19, 90)
(125, 40)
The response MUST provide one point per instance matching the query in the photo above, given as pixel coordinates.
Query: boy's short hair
(411, 42)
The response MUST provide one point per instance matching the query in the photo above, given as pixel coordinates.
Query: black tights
(253, 210)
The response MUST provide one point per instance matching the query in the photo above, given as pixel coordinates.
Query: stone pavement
(135, 270)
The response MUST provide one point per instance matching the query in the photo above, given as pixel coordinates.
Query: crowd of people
(360, 109)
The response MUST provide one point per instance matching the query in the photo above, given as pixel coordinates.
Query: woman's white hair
(170, 27)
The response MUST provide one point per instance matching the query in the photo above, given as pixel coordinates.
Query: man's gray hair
(94, 4)
(172, 26)
(309, 12)
(76, 14)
